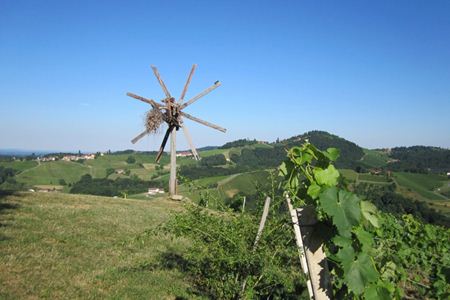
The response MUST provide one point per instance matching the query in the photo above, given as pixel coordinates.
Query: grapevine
(311, 179)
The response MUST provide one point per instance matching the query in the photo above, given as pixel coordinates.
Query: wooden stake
(315, 256)
(312, 256)
(262, 223)
(173, 163)
(300, 247)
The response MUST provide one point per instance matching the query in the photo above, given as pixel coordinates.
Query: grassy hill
(374, 158)
(52, 172)
(246, 162)
(62, 246)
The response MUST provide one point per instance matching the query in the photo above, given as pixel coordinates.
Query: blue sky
(374, 72)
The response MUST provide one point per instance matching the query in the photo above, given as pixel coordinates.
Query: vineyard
(371, 255)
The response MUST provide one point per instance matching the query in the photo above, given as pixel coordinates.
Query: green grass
(349, 174)
(61, 246)
(52, 172)
(245, 183)
(373, 178)
(142, 173)
(19, 165)
(374, 158)
(425, 185)
(214, 152)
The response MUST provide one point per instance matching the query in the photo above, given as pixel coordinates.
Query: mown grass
(425, 185)
(245, 183)
(61, 246)
(373, 178)
(211, 152)
(349, 174)
(19, 165)
(374, 158)
(52, 172)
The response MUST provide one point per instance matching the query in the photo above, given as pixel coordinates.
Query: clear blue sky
(374, 72)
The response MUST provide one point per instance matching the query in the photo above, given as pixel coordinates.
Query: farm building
(185, 154)
(154, 191)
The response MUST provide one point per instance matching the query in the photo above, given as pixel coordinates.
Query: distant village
(69, 157)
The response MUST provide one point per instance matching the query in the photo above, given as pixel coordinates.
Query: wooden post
(300, 247)
(173, 163)
(312, 256)
(243, 204)
(315, 255)
(262, 223)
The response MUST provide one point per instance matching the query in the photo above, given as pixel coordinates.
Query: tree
(213, 160)
(109, 171)
(131, 159)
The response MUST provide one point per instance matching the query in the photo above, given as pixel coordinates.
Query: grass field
(425, 185)
(349, 174)
(19, 165)
(372, 178)
(52, 172)
(207, 153)
(245, 183)
(61, 246)
(374, 158)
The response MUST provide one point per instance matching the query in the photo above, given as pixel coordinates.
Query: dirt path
(228, 179)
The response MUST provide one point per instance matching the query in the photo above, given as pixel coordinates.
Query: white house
(154, 191)
(185, 154)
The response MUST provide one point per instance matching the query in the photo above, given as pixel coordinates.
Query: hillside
(234, 170)
(420, 159)
(61, 246)
(350, 152)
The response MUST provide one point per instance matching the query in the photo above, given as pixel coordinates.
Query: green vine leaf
(313, 190)
(376, 292)
(346, 255)
(343, 207)
(285, 168)
(327, 177)
(361, 272)
(369, 212)
(365, 238)
(332, 153)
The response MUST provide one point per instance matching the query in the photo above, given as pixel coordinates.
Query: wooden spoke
(161, 82)
(189, 140)
(202, 122)
(149, 101)
(187, 83)
(205, 92)
(140, 136)
(163, 144)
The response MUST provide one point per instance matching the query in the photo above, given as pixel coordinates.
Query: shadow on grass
(168, 260)
(5, 205)
(5, 208)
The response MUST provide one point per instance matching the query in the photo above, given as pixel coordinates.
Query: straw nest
(153, 120)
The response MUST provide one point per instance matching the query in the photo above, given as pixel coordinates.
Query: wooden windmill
(171, 112)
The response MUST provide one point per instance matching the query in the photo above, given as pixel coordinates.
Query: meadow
(62, 246)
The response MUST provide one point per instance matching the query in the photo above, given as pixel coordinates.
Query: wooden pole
(310, 247)
(173, 163)
(262, 223)
(300, 247)
(315, 255)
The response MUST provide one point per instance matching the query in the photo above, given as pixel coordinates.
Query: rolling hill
(236, 168)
